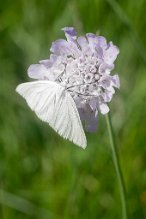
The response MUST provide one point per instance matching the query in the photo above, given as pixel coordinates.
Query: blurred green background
(41, 175)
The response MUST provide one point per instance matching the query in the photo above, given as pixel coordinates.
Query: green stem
(117, 167)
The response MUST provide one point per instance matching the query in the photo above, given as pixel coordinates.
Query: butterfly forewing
(54, 105)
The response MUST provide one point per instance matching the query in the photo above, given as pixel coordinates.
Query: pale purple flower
(83, 65)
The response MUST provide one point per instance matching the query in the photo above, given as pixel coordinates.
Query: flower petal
(116, 81)
(70, 33)
(91, 122)
(92, 38)
(60, 47)
(104, 109)
(107, 96)
(89, 118)
(93, 103)
(111, 53)
(102, 41)
(83, 43)
(38, 71)
(105, 68)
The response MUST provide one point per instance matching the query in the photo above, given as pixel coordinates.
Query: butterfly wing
(54, 105)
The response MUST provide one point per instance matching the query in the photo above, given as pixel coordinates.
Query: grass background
(41, 175)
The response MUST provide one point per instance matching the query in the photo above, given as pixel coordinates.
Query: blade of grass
(133, 34)
(23, 205)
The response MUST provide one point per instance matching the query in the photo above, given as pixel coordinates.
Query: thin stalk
(117, 167)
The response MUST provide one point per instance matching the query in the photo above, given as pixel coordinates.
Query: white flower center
(80, 77)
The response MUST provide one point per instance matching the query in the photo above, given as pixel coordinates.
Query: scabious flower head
(83, 66)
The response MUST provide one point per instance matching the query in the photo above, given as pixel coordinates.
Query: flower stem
(117, 167)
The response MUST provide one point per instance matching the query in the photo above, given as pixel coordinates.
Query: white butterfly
(53, 104)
